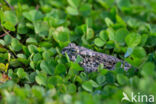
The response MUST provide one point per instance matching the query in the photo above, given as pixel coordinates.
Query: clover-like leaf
(99, 42)
(133, 39)
(33, 15)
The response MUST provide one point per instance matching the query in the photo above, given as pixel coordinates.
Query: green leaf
(93, 83)
(31, 41)
(2, 67)
(10, 16)
(148, 69)
(78, 59)
(72, 11)
(144, 38)
(120, 20)
(2, 42)
(2, 16)
(122, 80)
(47, 54)
(48, 66)
(9, 26)
(37, 57)
(67, 57)
(90, 33)
(21, 73)
(21, 56)
(100, 79)
(74, 3)
(151, 41)
(55, 21)
(111, 34)
(103, 35)
(71, 88)
(33, 15)
(110, 44)
(60, 69)
(123, 3)
(61, 34)
(19, 62)
(7, 39)
(32, 49)
(41, 28)
(106, 3)
(139, 52)
(85, 9)
(133, 23)
(120, 35)
(22, 29)
(54, 80)
(76, 66)
(45, 44)
(41, 79)
(108, 22)
(133, 39)
(67, 98)
(87, 86)
(98, 42)
(16, 45)
(3, 50)
(110, 78)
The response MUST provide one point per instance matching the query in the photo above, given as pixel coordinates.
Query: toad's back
(91, 59)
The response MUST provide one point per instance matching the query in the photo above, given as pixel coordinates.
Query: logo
(138, 97)
(125, 97)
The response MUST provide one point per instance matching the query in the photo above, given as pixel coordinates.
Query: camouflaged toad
(91, 59)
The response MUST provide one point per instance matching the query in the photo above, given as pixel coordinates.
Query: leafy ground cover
(33, 33)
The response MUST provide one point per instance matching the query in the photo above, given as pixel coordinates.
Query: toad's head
(70, 49)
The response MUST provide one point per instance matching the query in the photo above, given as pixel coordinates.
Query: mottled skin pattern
(91, 59)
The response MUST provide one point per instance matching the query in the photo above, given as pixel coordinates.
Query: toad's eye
(73, 50)
(71, 45)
